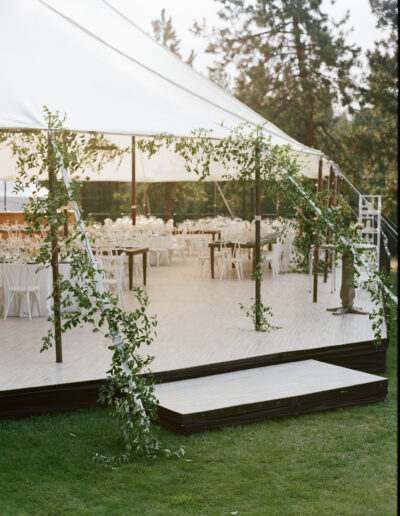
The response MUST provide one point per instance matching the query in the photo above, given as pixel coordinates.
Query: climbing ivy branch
(279, 172)
(129, 392)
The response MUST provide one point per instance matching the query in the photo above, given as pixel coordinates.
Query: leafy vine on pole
(279, 172)
(129, 392)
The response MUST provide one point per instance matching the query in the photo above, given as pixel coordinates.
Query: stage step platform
(245, 396)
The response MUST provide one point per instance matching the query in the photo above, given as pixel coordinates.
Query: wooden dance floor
(201, 331)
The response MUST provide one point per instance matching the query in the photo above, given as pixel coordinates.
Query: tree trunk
(310, 130)
(308, 100)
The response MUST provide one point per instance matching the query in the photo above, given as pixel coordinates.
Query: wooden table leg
(212, 261)
(144, 268)
(326, 263)
(130, 264)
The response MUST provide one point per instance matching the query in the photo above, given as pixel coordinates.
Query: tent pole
(328, 258)
(257, 219)
(316, 248)
(54, 264)
(144, 199)
(5, 195)
(133, 183)
(215, 199)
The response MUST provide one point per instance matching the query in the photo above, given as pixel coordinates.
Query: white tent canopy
(88, 60)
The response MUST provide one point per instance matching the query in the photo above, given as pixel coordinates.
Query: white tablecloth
(44, 281)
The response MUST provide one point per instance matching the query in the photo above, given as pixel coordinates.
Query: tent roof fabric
(90, 61)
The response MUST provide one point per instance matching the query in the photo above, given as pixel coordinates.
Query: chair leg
(238, 271)
(6, 308)
(38, 303)
(119, 291)
(28, 301)
(222, 270)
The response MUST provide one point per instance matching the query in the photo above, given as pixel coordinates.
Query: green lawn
(340, 462)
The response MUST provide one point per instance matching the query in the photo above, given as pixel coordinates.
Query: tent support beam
(257, 250)
(133, 183)
(215, 199)
(316, 248)
(328, 258)
(54, 266)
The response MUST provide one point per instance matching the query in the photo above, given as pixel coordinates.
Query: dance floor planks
(199, 324)
(264, 392)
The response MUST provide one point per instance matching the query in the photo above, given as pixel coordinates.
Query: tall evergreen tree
(293, 61)
(165, 34)
(368, 142)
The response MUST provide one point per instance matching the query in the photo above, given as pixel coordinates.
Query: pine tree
(368, 142)
(165, 34)
(293, 62)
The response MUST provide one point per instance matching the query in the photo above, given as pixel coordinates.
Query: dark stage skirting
(363, 356)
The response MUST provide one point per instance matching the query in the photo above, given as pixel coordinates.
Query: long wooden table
(131, 252)
(265, 240)
(213, 232)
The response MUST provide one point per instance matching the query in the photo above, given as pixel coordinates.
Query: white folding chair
(232, 256)
(274, 258)
(113, 275)
(20, 281)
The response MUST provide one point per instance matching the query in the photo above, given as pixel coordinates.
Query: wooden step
(244, 396)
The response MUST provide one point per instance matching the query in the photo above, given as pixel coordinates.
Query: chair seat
(233, 260)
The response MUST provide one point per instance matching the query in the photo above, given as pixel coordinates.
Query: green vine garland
(129, 393)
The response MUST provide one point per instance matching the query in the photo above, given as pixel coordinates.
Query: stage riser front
(246, 396)
(273, 410)
(364, 357)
